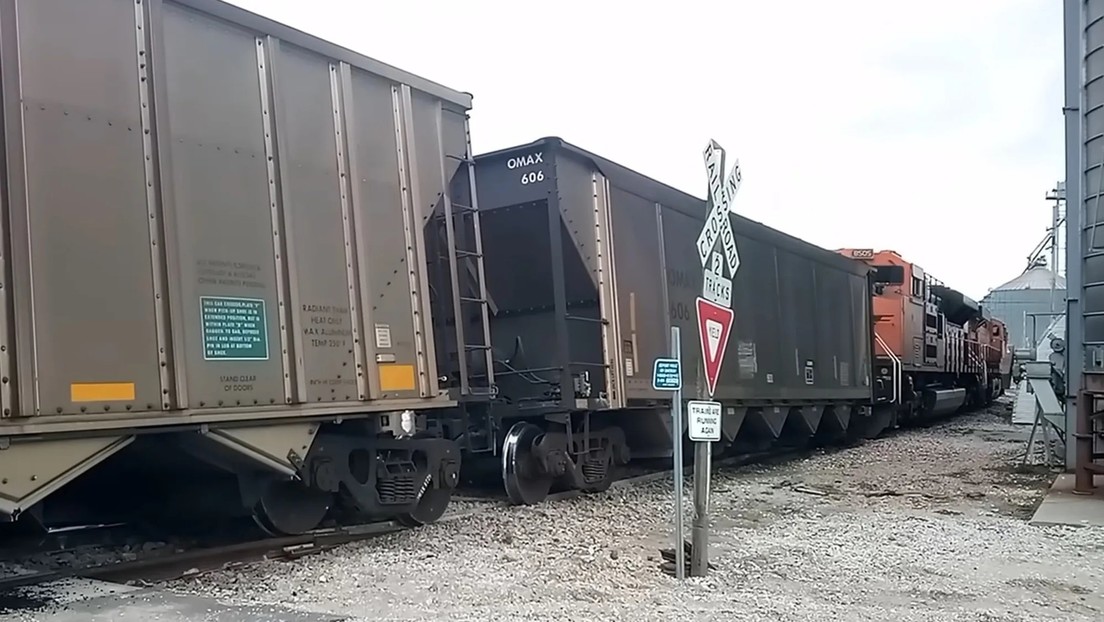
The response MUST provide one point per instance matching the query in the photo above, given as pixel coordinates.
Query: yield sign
(714, 323)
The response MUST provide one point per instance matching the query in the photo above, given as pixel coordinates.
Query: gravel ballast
(925, 525)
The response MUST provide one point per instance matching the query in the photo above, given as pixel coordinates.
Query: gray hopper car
(214, 239)
(589, 264)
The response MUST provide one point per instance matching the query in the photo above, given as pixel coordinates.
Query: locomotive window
(996, 330)
(917, 287)
(889, 274)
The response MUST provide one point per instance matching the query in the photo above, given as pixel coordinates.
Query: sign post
(720, 258)
(667, 376)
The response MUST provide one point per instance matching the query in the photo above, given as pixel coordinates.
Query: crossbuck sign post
(720, 258)
(717, 251)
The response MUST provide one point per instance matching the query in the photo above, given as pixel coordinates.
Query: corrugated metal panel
(206, 246)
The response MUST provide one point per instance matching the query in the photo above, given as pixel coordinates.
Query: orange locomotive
(935, 349)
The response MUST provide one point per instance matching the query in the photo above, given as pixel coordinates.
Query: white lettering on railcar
(532, 177)
(525, 160)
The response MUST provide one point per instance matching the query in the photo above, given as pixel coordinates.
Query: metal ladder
(463, 258)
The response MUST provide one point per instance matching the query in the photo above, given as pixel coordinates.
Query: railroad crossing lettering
(714, 307)
(717, 288)
(717, 224)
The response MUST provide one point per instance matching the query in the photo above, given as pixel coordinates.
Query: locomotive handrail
(897, 368)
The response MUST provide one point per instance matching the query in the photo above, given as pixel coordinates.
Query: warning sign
(714, 324)
(717, 251)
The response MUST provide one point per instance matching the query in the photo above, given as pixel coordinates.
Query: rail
(897, 368)
(203, 559)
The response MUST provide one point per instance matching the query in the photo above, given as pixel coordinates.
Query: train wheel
(523, 476)
(287, 507)
(430, 507)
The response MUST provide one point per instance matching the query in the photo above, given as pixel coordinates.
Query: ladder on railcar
(464, 251)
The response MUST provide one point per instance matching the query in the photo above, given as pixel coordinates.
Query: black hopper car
(587, 265)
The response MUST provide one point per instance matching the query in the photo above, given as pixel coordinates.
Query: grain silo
(1028, 293)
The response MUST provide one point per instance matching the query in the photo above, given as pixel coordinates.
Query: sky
(933, 129)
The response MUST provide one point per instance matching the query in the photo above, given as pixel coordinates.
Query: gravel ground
(924, 525)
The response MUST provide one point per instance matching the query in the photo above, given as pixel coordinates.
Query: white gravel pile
(927, 525)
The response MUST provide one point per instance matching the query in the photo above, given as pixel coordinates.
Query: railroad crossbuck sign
(717, 251)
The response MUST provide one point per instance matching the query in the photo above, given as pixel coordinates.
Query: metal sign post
(667, 376)
(717, 250)
(704, 427)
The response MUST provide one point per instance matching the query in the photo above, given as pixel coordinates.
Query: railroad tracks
(190, 562)
(207, 558)
(194, 561)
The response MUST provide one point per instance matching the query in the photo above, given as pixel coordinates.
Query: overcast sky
(932, 128)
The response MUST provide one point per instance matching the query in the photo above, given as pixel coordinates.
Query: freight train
(244, 266)
(573, 244)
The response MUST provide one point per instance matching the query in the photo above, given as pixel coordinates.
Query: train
(243, 266)
(590, 264)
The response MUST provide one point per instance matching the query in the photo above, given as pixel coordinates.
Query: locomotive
(937, 350)
(266, 273)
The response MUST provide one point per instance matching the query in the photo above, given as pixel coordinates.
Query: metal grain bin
(210, 217)
(590, 264)
(1025, 302)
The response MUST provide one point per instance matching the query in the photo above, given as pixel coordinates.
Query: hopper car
(588, 265)
(214, 261)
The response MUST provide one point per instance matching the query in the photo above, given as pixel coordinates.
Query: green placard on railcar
(234, 329)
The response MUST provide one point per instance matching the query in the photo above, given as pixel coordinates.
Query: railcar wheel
(523, 476)
(430, 507)
(287, 508)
